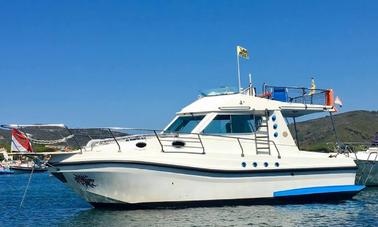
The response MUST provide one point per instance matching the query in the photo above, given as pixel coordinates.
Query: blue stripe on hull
(319, 190)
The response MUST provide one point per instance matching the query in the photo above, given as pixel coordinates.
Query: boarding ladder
(262, 140)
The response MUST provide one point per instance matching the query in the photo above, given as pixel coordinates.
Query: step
(262, 134)
(262, 140)
(259, 148)
(261, 137)
(262, 144)
(263, 153)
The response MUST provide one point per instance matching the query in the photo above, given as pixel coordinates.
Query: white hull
(218, 150)
(136, 184)
(367, 162)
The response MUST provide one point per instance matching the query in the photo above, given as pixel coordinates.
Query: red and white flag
(20, 142)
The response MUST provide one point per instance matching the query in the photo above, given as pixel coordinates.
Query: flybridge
(299, 95)
(288, 94)
(291, 101)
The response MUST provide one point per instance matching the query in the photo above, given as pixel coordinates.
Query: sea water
(49, 203)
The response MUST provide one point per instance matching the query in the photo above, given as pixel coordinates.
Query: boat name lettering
(84, 180)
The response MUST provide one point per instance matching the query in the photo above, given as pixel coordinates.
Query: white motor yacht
(224, 148)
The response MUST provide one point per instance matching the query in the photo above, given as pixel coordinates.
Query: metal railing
(174, 140)
(297, 94)
(348, 148)
(80, 138)
(376, 156)
(200, 137)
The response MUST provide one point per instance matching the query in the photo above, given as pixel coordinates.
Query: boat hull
(302, 199)
(6, 172)
(151, 185)
(21, 169)
(367, 173)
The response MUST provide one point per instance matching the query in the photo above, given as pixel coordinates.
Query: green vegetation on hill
(5, 142)
(354, 126)
(36, 147)
(5, 145)
(82, 136)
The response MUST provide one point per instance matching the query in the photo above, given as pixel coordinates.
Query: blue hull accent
(319, 190)
(296, 199)
(334, 194)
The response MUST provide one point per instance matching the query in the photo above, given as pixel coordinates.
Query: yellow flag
(242, 52)
(313, 87)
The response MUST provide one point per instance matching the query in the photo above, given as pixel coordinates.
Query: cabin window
(184, 124)
(233, 124)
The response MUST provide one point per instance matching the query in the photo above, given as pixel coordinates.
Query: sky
(136, 63)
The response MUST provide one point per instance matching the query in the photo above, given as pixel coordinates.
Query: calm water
(49, 203)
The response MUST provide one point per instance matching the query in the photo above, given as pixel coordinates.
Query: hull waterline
(20, 170)
(140, 186)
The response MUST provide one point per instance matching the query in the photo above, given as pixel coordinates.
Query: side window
(184, 124)
(242, 123)
(220, 124)
(233, 124)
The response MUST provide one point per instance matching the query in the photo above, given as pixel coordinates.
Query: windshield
(184, 124)
(233, 124)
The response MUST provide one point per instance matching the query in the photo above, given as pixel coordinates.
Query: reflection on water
(346, 213)
(49, 203)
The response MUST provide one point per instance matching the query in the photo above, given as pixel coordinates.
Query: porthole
(275, 126)
(274, 118)
(244, 164)
(254, 164)
(141, 144)
(276, 134)
(266, 164)
(277, 164)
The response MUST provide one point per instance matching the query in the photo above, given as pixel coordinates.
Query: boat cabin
(262, 118)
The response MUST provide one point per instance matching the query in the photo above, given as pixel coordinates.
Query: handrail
(294, 87)
(157, 137)
(155, 133)
(347, 148)
(111, 133)
(300, 94)
(225, 136)
(275, 145)
(346, 145)
(203, 147)
(376, 156)
(77, 142)
(241, 147)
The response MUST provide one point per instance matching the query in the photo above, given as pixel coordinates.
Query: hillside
(354, 126)
(315, 135)
(82, 136)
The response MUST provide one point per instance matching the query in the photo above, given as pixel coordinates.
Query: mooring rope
(27, 187)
